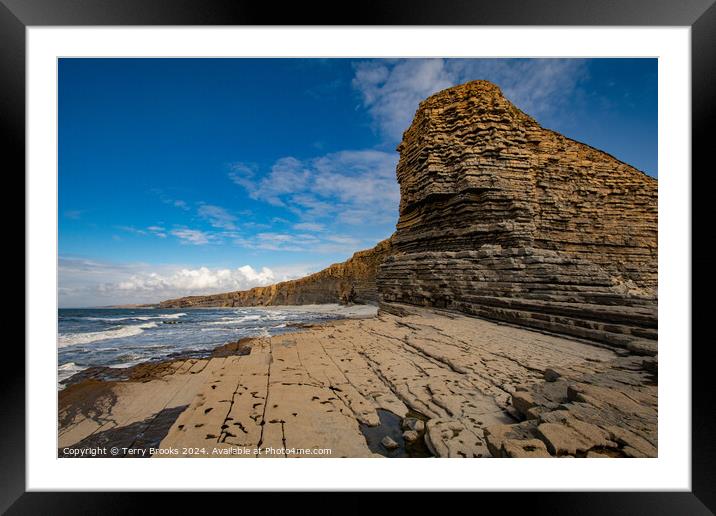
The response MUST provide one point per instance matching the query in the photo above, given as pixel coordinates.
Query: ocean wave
(113, 319)
(172, 316)
(135, 317)
(124, 365)
(73, 339)
(234, 320)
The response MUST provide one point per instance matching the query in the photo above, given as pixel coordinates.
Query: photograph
(346, 257)
(434, 247)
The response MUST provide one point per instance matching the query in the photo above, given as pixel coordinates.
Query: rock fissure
(262, 424)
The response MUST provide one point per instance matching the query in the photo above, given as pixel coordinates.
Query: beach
(433, 383)
(121, 337)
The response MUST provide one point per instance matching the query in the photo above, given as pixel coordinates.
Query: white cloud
(191, 236)
(198, 280)
(84, 282)
(391, 90)
(217, 216)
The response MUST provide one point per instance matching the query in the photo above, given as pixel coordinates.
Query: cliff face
(504, 219)
(352, 280)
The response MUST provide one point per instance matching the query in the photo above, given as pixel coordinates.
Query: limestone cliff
(504, 219)
(352, 280)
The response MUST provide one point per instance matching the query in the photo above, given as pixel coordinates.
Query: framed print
(456, 239)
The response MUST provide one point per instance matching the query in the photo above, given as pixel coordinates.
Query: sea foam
(74, 339)
(136, 317)
(235, 320)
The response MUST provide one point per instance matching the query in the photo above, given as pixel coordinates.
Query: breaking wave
(136, 317)
(73, 339)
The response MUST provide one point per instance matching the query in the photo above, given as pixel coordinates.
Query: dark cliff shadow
(141, 435)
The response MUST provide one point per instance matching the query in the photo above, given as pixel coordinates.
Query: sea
(123, 337)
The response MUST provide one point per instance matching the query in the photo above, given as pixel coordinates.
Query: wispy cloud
(217, 216)
(157, 231)
(311, 237)
(171, 201)
(361, 181)
(74, 214)
(391, 90)
(309, 226)
(283, 241)
(288, 175)
(302, 242)
(343, 239)
(352, 187)
(324, 90)
(192, 236)
(131, 229)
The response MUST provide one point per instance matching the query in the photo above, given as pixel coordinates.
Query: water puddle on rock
(390, 425)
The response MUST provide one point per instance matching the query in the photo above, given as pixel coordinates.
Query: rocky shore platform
(421, 383)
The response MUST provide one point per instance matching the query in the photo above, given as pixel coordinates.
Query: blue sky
(188, 176)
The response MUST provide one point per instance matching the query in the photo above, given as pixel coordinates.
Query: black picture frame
(700, 15)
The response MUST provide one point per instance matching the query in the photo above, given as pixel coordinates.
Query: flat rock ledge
(465, 386)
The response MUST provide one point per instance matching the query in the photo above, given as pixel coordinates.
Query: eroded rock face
(506, 220)
(347, 282)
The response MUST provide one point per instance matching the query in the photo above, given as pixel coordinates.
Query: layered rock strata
(350, 281)
(503, 219)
